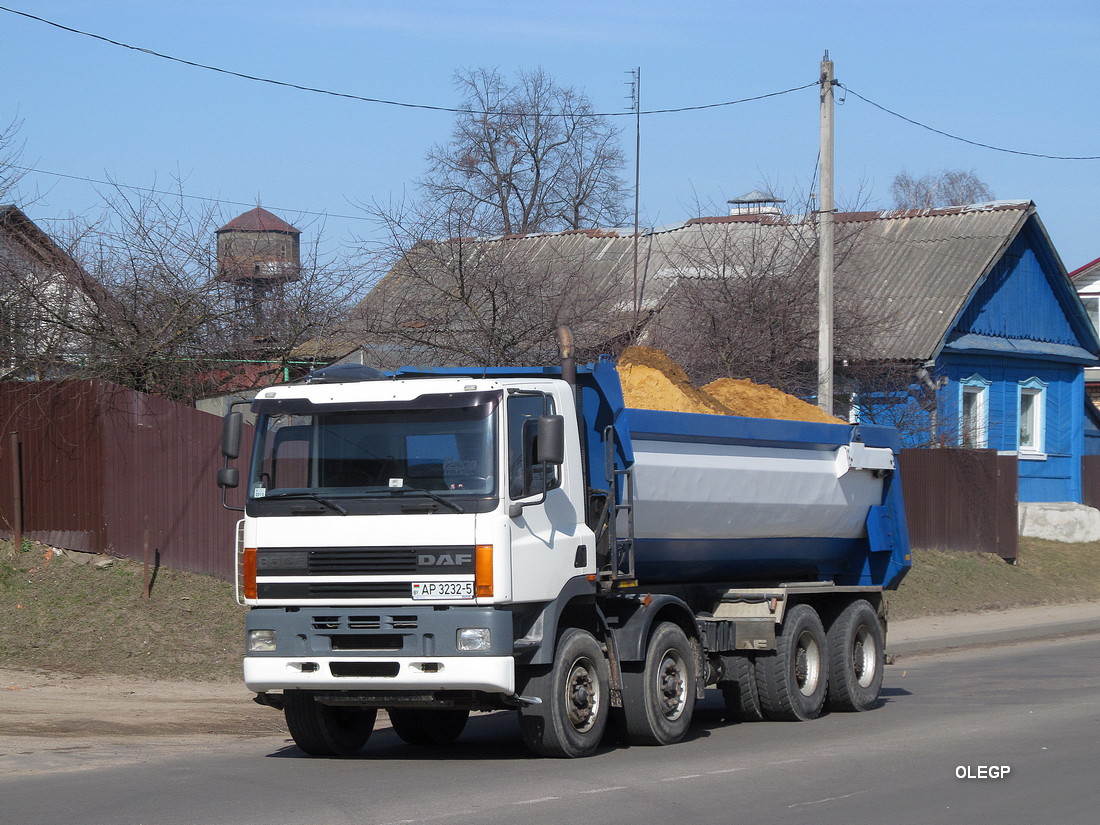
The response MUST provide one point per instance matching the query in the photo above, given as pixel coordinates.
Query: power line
(363, 99)
(182, 194)
(849, 90)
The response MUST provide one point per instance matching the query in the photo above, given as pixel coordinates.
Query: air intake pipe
(565, 350)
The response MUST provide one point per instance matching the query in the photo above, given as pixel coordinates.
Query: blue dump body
(742, 500)
(745, 500)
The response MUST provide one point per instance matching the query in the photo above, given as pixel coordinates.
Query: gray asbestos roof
(918, 267)
(922, 266)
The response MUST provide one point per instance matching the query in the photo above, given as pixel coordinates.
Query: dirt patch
(653, 381)
(34, 703)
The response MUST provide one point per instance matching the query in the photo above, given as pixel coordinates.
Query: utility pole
(636, 105)
(825, 245)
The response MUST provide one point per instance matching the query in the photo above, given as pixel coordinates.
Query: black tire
(659, 700)
(325, 730)
(739, 688)
(428, 726)
(575, 693)
(792, 681)
(856, 658)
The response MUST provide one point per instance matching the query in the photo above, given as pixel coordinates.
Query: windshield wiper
(313, 496)
(405, 488)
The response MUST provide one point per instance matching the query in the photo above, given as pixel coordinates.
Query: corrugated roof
(916, 269)
(1087, 275)
(920, 267)
(259, 220)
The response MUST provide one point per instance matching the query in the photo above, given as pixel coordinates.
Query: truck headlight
(261, 641)
(474, 638)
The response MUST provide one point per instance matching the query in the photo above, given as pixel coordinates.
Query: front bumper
(491, 674)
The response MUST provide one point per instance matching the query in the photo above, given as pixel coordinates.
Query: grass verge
(58, 615)
(1046, 572)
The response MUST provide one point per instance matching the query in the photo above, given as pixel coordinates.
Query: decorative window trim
(1036, 389)
(978, 387)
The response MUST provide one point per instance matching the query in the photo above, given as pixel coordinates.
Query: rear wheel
(325, 730)
(658, 702)
(428, 726)
(856, 658)
(793, 679)
(575, 695)
(739, 688)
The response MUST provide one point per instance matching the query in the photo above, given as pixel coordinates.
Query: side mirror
(228, 477)
(231, 435)
(551, 440)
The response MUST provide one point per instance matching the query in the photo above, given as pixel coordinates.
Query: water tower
(258, 253)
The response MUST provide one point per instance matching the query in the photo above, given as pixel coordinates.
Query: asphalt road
(1032, 708)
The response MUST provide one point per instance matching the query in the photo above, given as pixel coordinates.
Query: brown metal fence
(108, 470)
(1090, 480)
(961, 500)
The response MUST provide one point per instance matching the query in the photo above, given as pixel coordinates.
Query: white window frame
(975, 432)
(1036, 391)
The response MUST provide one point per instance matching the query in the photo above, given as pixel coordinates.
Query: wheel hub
(672, 687)
(583, 698)
(807, 664)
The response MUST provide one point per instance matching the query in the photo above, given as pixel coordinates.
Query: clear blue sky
(1013, 74)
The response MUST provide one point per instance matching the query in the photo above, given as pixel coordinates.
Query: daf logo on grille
(444, 559)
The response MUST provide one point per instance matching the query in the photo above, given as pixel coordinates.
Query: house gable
(1026, 307)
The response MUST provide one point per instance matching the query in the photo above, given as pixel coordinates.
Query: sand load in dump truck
(723, 496)
(653, 381)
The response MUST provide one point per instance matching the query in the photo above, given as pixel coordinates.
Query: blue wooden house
(985, 307)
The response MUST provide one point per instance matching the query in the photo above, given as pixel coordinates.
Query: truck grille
(357, 622)
(334, 590)
(361, 561)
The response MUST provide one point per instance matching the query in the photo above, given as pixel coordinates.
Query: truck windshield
(445, 452)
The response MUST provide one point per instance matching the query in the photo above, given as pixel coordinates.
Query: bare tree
(135, 301)
(949, 187)
(10, 155)
(743, 303)
(528, 156)
(450, 298)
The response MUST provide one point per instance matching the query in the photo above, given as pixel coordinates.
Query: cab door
(550, 541)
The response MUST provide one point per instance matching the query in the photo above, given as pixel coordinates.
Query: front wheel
(857, 657)
(793, 679)
(428, 726)
(575, 693)
(658, 701)
(325, 730)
